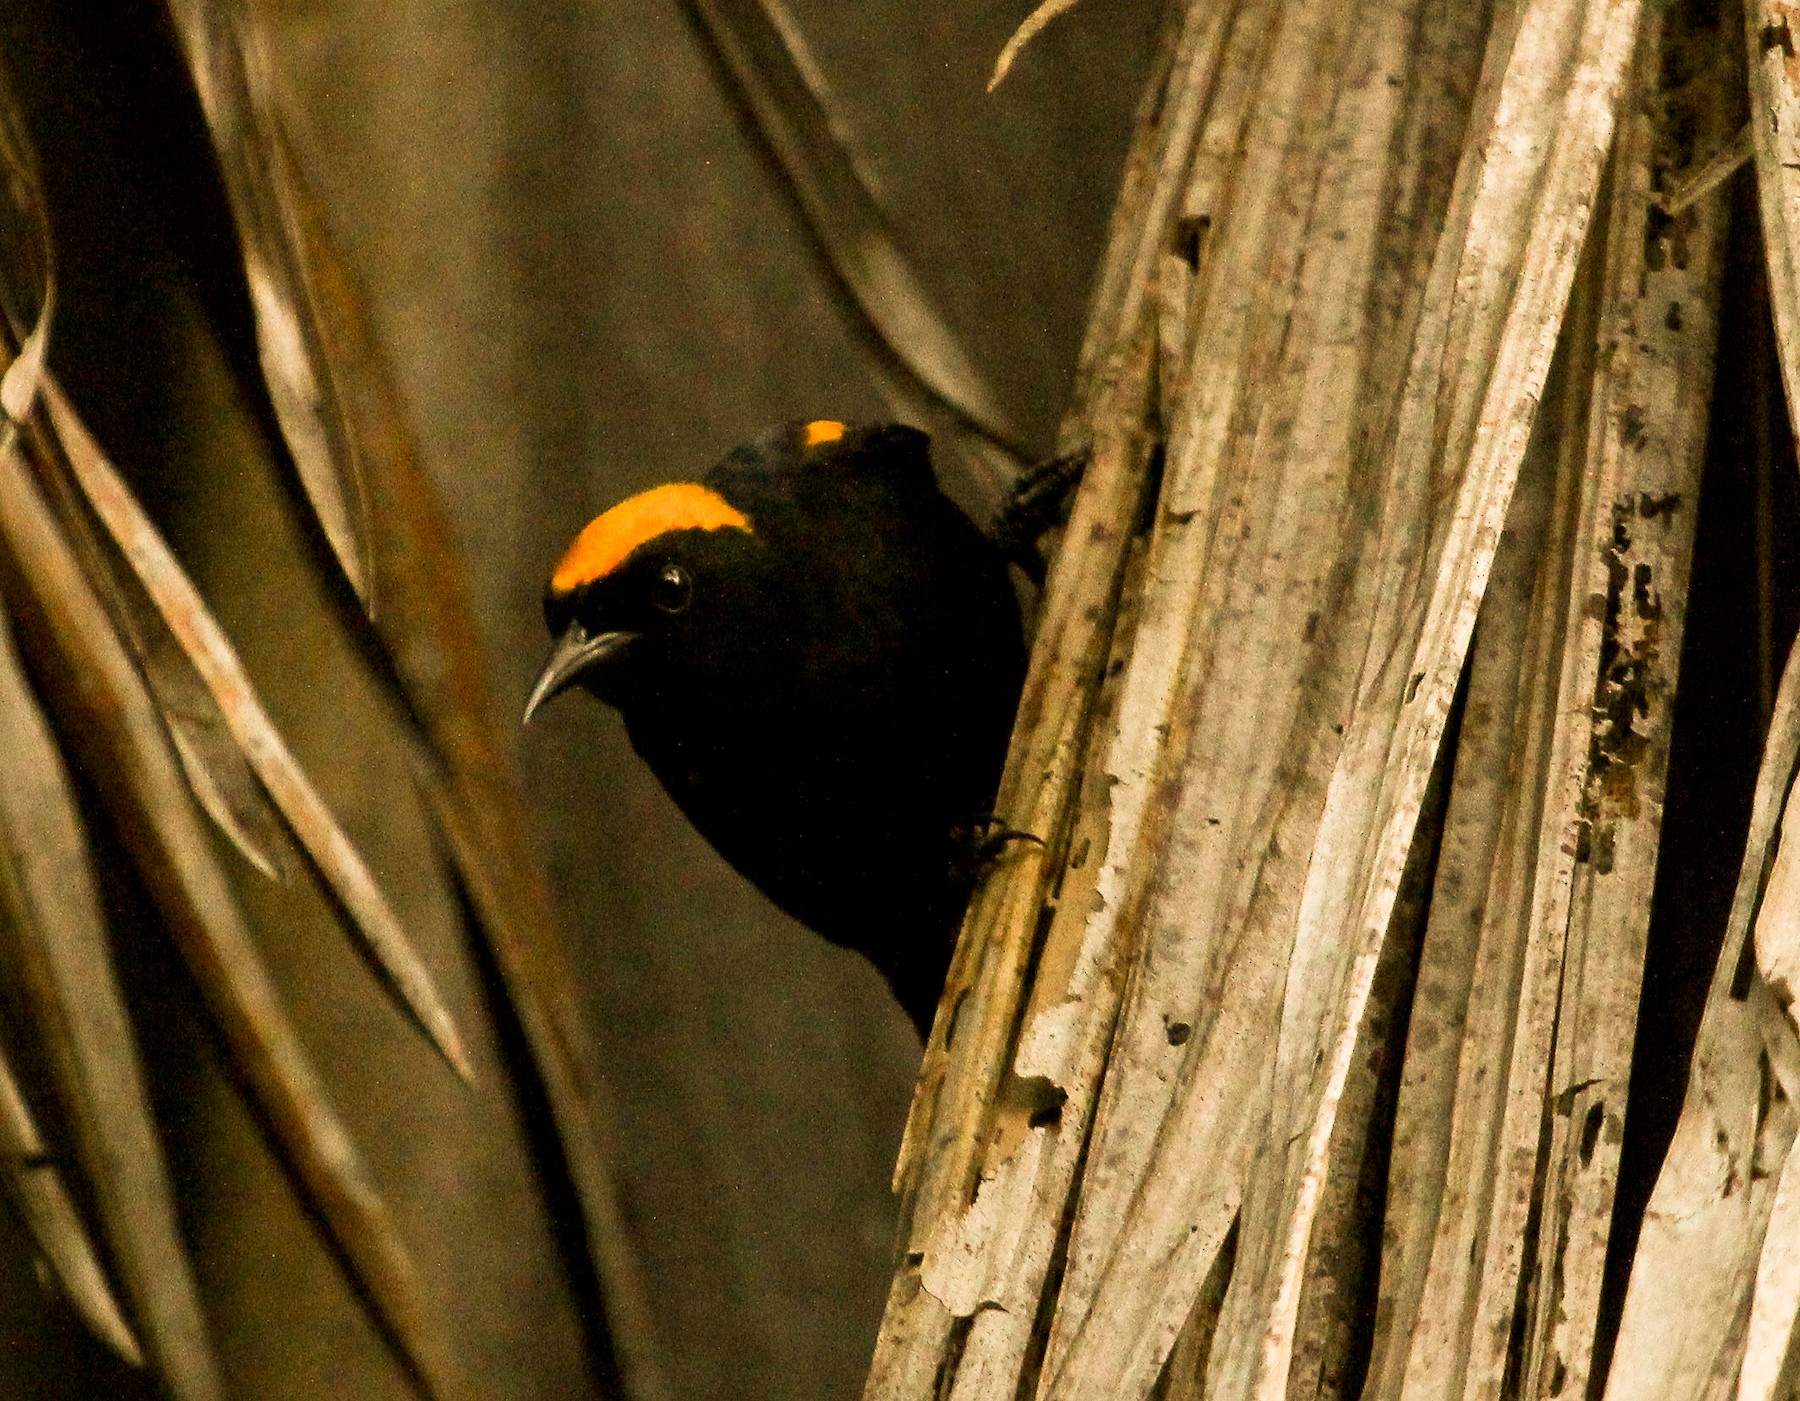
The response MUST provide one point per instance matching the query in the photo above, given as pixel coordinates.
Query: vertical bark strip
(1774, 78)
(1624, 627)
(1468, 970)
(944, 1152)
(1721, 1225)
(1688, 1304)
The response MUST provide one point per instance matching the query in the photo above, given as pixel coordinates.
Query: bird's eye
(672, 589)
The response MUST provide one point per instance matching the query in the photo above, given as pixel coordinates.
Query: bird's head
(635, 579)
(686, 583)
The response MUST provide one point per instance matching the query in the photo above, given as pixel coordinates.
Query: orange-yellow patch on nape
(821, 430)
(607, 539)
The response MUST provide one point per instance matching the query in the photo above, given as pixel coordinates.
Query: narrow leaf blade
(203, 642)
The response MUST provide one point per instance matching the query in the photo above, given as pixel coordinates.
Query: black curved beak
(575, 653)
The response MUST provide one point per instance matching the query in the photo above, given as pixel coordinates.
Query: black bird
(819, 655)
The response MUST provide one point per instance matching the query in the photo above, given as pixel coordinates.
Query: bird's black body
(831, 698)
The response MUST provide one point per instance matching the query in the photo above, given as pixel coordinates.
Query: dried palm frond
(1151, 1120)
(423, 630)
(101, 704)
(56, 938)
(141, 687)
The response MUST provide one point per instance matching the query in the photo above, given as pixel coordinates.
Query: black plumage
(826, 689)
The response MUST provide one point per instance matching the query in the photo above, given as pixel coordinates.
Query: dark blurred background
(588, 280)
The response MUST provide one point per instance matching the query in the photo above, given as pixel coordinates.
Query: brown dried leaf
(232, 76)
(34, 1186)
(216, 768)
(50, 914)
(246, 728)
(111, 722)
(56, 933)
(27, 276)
(427, 633)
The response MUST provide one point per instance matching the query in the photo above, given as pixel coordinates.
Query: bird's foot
(979, 842)
(1040, 502)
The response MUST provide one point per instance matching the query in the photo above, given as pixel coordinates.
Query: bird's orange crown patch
(607, 539)
(821, 430)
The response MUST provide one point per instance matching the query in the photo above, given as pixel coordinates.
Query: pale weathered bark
(1351, 348)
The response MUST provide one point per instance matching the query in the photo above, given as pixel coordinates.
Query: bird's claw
(1039, 502)
(980, 842)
